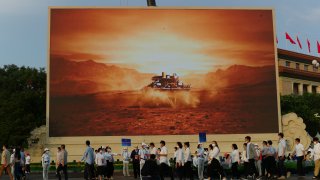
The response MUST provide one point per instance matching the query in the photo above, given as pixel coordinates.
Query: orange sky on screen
(154, 40)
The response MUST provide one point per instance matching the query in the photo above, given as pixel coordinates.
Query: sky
(156, 40)
(24, 23)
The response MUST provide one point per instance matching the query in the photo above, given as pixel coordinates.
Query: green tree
(307, 106)
(22, 102)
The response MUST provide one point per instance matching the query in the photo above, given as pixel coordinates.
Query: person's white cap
(125, 148)
(199, 143)
(46, 149)
(103, 147)
(143, 144)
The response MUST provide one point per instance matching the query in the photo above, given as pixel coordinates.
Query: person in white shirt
(299, 152)
(45, 159)
(235, 160)
(143, 154)
(12, 162)
(258, 159)
(157, 156)
(125, 159)
(179, 160)
(244, 160)
(101, 163)
(270, 160)
(195, 159)
(28, 161)
(200, 156)
(187, 161)
(213, 161)
(251, 153)
(316, 157)
(110, 161)
(175, 153)
(59, 163)
(153, 149)
(281, 156)
(165, 169)
(105, 155)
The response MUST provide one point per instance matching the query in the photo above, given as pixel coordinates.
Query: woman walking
(214, 164)
(18, 163)
(235, 160)
(200, 158)
(179, 160)
(45, 159)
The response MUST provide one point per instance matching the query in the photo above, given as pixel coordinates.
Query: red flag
(290, 39)
(318, 45)
(308, 42)
(299, 43)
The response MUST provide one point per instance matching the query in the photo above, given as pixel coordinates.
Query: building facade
(297, 74)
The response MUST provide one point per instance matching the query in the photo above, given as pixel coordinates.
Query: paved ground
(118, 176)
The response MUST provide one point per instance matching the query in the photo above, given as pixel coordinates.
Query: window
(305, 88)
(306, 67)
(297, 66)
(314, 89)
(315, 69)
(295, 88)
(287, 64)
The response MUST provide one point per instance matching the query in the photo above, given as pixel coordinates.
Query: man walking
(316, 157)
(143, 153)
(126, 160)
(5, 162)
(299, 152)
(88, 157)
(153, 149)
(135, 162)
(281, 156)
(59, 162)
(251, 154)
(165, 170)
(65, 161)
(45, 159)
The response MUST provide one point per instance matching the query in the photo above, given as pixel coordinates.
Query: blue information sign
(126, 142)
(202, 137)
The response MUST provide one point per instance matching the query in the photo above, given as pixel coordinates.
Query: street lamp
(151, 2)
(315, 63)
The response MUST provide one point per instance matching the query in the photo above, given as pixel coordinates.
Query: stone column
(300, 88)
(318, 89)
(309, 88)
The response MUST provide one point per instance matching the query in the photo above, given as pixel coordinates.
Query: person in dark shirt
(135, 162)
(151, 170)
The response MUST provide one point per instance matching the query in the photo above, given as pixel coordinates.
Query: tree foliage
(306, 106)
(22, 102)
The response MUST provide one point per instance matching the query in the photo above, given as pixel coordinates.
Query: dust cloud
(175, 99)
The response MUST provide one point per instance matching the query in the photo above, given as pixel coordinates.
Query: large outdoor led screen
(150, 71)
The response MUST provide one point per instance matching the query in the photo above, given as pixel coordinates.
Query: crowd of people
(15, 164)
(150, 162)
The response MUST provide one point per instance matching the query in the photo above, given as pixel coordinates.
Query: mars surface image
(137, 72)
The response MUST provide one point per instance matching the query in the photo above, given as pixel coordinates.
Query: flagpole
(306, 38)
(286, 43)
(298, 44)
